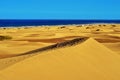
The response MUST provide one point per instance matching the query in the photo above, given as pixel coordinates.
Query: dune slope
(11, 60)
(89, 60)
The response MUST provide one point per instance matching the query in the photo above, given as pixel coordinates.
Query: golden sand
(97, 58)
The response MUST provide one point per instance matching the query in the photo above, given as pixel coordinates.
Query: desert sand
(41, 53)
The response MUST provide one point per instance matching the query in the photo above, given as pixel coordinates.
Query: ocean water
(18, 23)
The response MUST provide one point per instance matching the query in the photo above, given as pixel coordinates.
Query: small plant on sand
(113, 25)
(26, 27)
(97, 29)
(87, 27)
(18, 28)
(5, 37)
(104, 25)
(99, 25)
(4, 28)
(62, 27)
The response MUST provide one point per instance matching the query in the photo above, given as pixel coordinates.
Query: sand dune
(88, 60)
(45, 53)
(113, 46)
(21, 56)
(29, 38)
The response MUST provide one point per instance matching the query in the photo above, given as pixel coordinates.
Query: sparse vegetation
(97, 29)
(87, 27)
(104, 25)
(18, 28)
(99, 25)
(26, 27)
(113, 25)
(5, 37)
(4, 28)
(63, 27)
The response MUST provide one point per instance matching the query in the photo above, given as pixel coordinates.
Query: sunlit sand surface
(71, 52)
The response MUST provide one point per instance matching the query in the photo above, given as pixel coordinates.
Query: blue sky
(59, 9)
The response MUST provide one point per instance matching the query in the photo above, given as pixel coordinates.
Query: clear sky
(59, 9)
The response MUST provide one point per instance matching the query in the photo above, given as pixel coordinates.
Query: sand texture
(70, 52)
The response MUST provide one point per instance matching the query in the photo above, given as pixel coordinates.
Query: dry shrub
(5, 37)
(97, 29)
(113, 25)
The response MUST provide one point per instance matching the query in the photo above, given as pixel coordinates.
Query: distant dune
(89, 60)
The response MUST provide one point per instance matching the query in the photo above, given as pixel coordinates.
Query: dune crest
(11, 60)
(89, 60)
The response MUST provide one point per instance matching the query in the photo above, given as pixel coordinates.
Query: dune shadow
(6, 62)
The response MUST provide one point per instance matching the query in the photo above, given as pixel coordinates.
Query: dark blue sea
(18, 23)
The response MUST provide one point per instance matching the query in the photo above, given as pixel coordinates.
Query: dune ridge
(58, 45)
(78, 62)
(10, 60)
(54, 46)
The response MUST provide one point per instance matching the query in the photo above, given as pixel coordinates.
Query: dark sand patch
(107, 40)
(6, 55)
